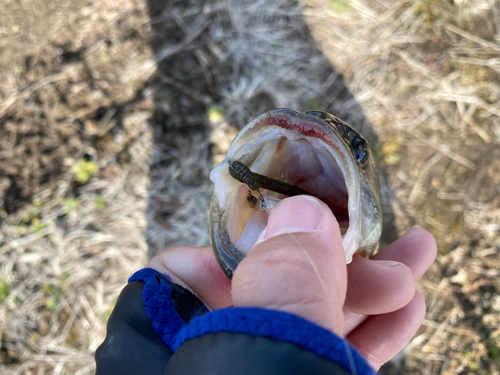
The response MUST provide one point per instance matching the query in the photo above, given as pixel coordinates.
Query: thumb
(297, 265)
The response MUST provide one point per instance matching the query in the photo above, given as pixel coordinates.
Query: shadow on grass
(243, 59)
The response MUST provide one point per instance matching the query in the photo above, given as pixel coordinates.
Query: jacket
(158, 327)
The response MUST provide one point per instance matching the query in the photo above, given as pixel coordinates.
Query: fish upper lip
(293, 116)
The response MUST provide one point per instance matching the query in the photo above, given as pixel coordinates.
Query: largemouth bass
(284, 152)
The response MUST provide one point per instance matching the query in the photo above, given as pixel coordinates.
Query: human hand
(298, 266)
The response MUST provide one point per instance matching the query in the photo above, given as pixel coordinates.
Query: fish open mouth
(295, 148)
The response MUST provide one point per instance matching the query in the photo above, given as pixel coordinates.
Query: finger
(196, 269)
(416, 248)
(297, 265)
(377, 286)
(379, 338)
(352, 320)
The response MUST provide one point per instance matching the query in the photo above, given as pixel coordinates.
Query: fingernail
(391, 263)
(293, 215)
(411, 229)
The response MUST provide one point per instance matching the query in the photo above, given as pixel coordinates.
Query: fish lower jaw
(350, 244)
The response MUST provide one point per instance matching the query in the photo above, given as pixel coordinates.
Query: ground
(113, 112)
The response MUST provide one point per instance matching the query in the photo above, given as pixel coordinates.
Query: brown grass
(422, 76)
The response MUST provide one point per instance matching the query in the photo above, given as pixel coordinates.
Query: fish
(283, 153)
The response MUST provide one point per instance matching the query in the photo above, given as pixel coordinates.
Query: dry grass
(422, 76)
(425, 74)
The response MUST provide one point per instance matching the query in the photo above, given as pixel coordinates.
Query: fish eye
(361, 156)
(360, 149)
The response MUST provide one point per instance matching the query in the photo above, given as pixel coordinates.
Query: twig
(424, 171)
(445, 150)
(473, 38)
(26, 92)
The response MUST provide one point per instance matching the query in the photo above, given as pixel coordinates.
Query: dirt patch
(66, 82)
(74, 135)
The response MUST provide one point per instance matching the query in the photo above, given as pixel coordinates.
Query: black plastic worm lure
(255, 181)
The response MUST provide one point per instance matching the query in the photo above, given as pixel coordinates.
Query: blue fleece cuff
(168, 306)
(279, 326)
(177, 315)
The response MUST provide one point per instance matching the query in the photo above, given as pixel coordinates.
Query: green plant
(84, 169)
(493, 352)
(215, 114)
(314, 103)
(54, 294)
(340, 6)
(99, 203)
(71, 203)
(4, 290)
(36, 226)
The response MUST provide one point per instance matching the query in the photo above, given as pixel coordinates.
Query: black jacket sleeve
(235, 353)
(158, 327)
(131, 345)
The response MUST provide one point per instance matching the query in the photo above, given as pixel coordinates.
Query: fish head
(314, 151)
